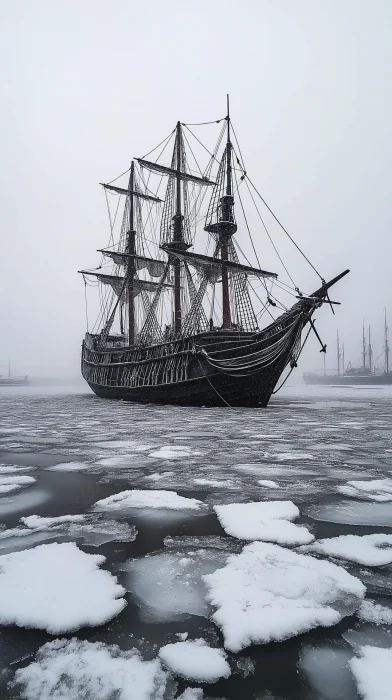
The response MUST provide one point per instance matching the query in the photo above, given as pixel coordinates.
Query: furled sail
(121, 190)
(155, 268)
(212, 267)
(158, 168)
(117, 284)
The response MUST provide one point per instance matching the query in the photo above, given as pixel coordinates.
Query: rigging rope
(159, 144)
(293, 367)
(212, 386)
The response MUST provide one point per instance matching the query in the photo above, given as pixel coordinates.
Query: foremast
(131, 251)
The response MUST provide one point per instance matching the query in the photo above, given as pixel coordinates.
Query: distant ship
(13, 381)
(188, 331)
(365, 375)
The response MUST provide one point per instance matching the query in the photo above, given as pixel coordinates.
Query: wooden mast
(131, 260)
(226, 211)
(363, 346)
(178, 237)
(386, 346)
(370, 353)
(338, 352)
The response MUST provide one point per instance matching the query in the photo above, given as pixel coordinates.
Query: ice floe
(148, 499)
(74, 669)
(68, 467)
(369, 550)
(369, 634)
(375, 490)
(91, 529)
(195, 660)
(327, 672)
(15, 482)
(373, 673)
(268, 593)
(168, 585)
(191, 694)
(264, 520)
(57, 587)
(174, 452)
(269, 484)
(370, 611)
(351, 513)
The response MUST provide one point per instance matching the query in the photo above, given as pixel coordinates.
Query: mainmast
(343, 370)
(363, 346)
(338, 352)
(386, 345)
(131, 260)
(227, 203)
(178, 236)
(370, 354)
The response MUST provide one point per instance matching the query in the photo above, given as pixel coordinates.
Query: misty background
(85, 86)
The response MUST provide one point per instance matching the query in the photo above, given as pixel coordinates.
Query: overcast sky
(87, 84)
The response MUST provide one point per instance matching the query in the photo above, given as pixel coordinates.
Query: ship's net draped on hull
(188, 315)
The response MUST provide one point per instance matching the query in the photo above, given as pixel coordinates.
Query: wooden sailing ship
(189, 332)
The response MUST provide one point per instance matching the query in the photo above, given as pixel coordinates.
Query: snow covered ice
(57, 587)
(73, 669)
(268, 593)
(372, 671)
(161, 472)
(148, 499)
(375, 490)
(370, 550)
(269, 521)
(195, 660)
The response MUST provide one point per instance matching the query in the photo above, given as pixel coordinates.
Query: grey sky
(87, 85)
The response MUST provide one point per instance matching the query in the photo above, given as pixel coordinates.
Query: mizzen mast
(386, 345)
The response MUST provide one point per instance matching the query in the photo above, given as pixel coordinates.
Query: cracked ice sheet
(266, 520)
(268, 593)
(168, 585)
(369, 550)
(351, 513)
(58, 588)
(376, 490)
(74, 669)
(373, 673)
(94, 530)
(195, 660)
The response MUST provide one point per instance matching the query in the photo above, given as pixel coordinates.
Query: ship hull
(14, 382)
(347, 380)
(213, 369)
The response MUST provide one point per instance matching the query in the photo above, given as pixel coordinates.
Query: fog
(85, 86)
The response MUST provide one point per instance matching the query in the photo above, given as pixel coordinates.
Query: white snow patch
(57, 587)
(212, 482)
(68, 467)
(264, 520)
(36, 522)
(369, 611)
(15, 479)
(369, 550)
(148, 499)
(74, 669)
(173, 452)
(7, 469)
(191, 694)
(293, 456)
(373, 673)
(268, 593)
(195, 660)
(269, 484)
(9, 488)
(375, 490)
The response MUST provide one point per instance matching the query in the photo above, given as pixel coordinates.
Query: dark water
(308, 441)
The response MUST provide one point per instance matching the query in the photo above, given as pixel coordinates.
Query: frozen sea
(328, 450)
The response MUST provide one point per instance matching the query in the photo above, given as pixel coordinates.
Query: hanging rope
(294, 365)
(212, 386)
(85, 300)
